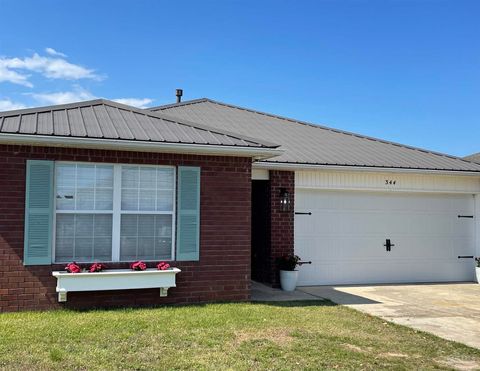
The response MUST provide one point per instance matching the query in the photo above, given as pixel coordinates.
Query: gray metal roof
(305, 143)
(473, 158)
(110, 120)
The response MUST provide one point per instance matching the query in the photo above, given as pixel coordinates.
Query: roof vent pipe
(179, 95)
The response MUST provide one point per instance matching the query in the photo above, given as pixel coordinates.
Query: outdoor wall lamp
(285, 200)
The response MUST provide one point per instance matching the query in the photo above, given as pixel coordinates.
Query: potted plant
(288, 274)
(477, 268)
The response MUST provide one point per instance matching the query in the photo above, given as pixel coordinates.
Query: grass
(295, 335)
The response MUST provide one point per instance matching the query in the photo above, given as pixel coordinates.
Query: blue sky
(402, 70)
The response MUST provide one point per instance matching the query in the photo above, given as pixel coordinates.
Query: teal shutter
(38, 213)
(188, 213)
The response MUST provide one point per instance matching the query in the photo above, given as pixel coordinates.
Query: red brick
(223, 272)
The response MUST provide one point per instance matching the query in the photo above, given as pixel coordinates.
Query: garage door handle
(465, 256)
(300, 213)
(388, 245)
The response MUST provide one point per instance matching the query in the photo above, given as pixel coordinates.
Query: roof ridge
(53, 107)
(177, 104)
(146, 112)
(319, 126)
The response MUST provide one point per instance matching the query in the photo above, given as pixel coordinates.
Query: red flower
(73, 268)
(162, 266)
(138, 266)
(97, 267)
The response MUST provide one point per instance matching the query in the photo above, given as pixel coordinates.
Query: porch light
(285, 200)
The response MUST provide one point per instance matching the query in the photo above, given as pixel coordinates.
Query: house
(220, 192)
(365, 210)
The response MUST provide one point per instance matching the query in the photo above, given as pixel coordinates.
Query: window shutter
(38, 213)
(188, 213)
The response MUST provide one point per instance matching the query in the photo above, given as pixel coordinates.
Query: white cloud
(63, 97)
(80, 94)
(55, 53)
(8, 105)
(13, 76)
(12, 69)
(135, 102)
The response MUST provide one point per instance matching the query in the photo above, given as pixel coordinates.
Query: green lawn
(297, 335)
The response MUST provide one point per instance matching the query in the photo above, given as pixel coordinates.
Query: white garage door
(344, 237)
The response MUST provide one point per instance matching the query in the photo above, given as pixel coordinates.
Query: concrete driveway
(451, 311)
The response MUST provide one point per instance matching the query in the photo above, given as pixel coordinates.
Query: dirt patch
(394, 355)
(460, 364)
(278, 336)
(355, 348)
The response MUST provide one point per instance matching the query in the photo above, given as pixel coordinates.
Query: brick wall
(281, 222)
(223, 272)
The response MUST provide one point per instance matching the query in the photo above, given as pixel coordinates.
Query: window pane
(84, 187)
(165, 178)
(65, 198)
(83, 237)
(165, 200)
(147, 199)
(163, 241)
(103, 199)
(65, 175)
(147, 188)
(146, 237)
(148, 177)
(104, 176)
(130, 177)
(129, 199)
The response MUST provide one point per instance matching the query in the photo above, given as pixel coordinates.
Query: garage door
(345, 234)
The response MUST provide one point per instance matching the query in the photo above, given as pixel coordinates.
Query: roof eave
(286, 166)
(257, 153)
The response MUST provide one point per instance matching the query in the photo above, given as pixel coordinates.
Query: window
(114, 212)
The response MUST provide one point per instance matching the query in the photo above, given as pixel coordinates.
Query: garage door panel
(333, 247)
(373, 272)
(345, 234)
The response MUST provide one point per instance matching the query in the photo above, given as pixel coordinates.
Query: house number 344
(390, 182)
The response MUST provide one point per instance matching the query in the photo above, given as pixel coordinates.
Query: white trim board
(140, 146)
(386, 182)
(363, 169)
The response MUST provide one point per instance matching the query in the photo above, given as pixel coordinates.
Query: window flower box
(114, 279)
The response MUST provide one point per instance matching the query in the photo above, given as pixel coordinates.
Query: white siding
(397, 182)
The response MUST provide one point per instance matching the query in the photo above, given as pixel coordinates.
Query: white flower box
(114, 279)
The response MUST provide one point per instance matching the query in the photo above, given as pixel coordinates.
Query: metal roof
(473, 158)
(104, 119)
(306, 143)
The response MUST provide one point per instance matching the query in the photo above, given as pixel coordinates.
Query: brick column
(281, 223)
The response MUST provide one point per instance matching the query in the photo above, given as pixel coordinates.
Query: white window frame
(117, 211)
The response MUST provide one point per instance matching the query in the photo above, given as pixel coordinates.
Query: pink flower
(138, 266)
(97, 267)
(73, 268)
(162, 266)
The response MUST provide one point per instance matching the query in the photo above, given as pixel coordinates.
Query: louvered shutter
(38, 213)
(188, 213)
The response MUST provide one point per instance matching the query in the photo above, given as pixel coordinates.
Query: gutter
(313, 167)
(256, 153)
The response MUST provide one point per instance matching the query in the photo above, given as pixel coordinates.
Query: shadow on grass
(284, 304)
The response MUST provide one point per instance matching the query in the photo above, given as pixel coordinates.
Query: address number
(390, 182)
